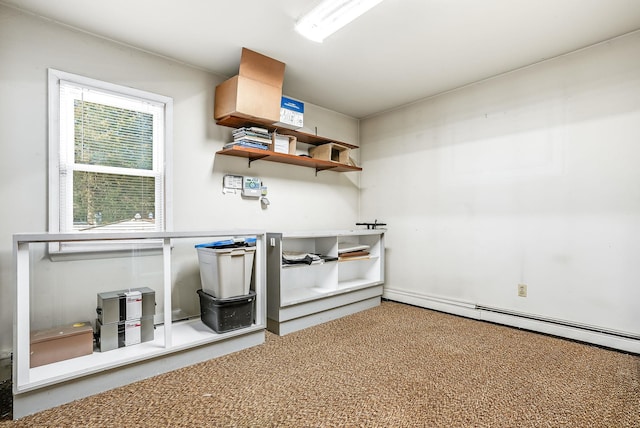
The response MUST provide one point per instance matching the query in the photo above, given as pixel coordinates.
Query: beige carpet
(392, 366)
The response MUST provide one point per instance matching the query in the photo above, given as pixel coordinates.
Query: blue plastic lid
(216, 243)
(228, 242)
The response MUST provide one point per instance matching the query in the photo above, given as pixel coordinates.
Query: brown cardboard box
(331, 152)
(255, 93)
(256, 66)
(61, 343)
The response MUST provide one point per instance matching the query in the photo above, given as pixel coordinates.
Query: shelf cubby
(299, 296)
(180, 338)
(252, 154)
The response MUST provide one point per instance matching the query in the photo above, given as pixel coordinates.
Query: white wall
(532, 177)
(28, 46)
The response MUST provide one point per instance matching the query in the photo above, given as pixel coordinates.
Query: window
(107, 154)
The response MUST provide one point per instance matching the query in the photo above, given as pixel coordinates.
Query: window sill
(69, 251)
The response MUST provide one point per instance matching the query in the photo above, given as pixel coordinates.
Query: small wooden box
(331, 152)
(61, 343)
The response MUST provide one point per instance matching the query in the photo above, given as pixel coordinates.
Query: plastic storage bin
(222, 315)
(226, 267)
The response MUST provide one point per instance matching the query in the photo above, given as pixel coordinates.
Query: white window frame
(61, 200)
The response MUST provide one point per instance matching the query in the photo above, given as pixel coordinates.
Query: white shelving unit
(176, 344)
(301, 295)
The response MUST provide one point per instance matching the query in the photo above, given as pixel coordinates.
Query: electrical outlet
(522, 290)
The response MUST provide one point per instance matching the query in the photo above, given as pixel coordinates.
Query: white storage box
(291, 114)
(226, 272)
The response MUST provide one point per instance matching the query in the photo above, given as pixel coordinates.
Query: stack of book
(253, 137)
(350, 251)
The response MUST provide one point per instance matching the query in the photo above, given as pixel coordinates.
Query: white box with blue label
(284, 143)
(291, 113)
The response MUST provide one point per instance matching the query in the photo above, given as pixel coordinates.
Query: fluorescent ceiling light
(330, 16)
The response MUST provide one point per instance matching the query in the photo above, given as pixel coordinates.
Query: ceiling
(398, 52)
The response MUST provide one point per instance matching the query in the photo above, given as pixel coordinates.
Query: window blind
(111, 163)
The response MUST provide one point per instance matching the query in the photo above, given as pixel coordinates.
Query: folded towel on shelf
(293, 257)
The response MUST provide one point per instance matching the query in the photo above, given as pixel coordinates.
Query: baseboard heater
(562, 323)
(610, 338)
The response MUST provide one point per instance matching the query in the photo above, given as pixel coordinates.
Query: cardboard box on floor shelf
(284, 143)
(61, 343)
(331, 152)
(255, 93)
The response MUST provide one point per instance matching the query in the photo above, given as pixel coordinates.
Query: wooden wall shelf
(258, 154)
(303, 137)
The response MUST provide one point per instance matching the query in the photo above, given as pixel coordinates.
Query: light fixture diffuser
(331, 15)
